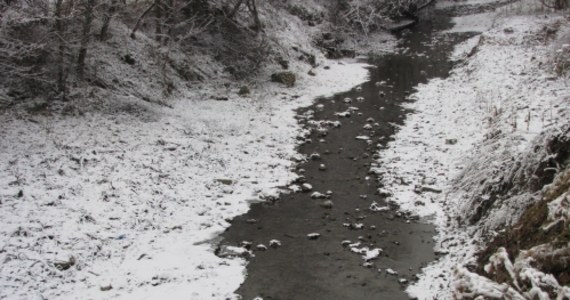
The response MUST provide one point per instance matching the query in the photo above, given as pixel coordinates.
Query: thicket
(45, 44)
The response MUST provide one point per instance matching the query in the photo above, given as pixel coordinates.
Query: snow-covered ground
(126, 205)
(501, 100)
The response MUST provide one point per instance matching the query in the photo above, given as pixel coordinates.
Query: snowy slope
(125, 205)
(469, 132)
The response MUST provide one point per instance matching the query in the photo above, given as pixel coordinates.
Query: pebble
(106, 287)
(245, 244)
(313, 236)
(318, 195)
(261, 247)
(391, 272)
(275, 244)
(322, 167)
(328, 204)
(315, 156)
(344, 114)
(306, 187)
(384, 192)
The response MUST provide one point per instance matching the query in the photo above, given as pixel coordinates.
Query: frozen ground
(501, 100)
(125, 205)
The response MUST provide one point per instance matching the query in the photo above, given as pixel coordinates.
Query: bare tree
(110, 11)
(89, 6)
(252, 8)
(60, 32)
(141, 18)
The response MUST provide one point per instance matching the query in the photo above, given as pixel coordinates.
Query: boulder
(287, 78)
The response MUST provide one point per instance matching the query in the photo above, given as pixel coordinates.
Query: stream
(321, 267)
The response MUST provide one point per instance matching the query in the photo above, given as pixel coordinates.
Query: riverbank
(470, 138)
(125, 204)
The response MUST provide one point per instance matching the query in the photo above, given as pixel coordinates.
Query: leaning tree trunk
(85, 36)
(235, 9)
(109, 13)
(139, 21)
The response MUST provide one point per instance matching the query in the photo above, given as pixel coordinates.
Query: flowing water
(303, 268)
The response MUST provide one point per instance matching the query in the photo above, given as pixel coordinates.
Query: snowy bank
(126, 205)
(468, 133)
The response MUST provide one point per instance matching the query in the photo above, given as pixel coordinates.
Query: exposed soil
(323, 268)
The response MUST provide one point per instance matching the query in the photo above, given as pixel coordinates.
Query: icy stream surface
(334, 236)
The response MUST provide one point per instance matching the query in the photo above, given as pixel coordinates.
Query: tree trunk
(158, 13)
(236, 8)
(170, 20)
(109, 13)
(85, 35)
(133, 33)
(59, 29)
(253, 10)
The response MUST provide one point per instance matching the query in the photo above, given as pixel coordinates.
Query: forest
(55, 49)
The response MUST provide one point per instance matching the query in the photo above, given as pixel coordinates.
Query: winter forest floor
(129, 202)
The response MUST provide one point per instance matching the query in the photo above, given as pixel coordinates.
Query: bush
(287, 78)
(562, 60)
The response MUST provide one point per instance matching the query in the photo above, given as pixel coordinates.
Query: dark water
(324, 269)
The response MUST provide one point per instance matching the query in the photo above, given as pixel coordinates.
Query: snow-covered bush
(562, 60)
(370, 15)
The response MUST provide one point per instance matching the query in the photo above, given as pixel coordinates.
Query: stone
(306, 187)
(106, 287)
(315, 156)
(244, 91)
(391, 272)
(313, 236)
(287, 78)
(328, 204)
(317, 195)
(225, 181)
(275, 244)
(450, 141)
(384, 192)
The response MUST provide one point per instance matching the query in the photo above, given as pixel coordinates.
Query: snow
(473, 23)
(495, 106)
(138, 196)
